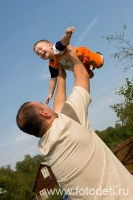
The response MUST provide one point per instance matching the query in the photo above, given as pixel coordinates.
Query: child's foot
(92, 67)
(99, 53)
(101, 57)
(89, 70)
(91, 74)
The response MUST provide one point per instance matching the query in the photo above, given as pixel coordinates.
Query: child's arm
(66, 38)
(52, 85)
(60, 46)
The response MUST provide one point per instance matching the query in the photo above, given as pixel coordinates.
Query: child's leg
(96, 59)
(102, 58)
(89, 70)
(92, 58)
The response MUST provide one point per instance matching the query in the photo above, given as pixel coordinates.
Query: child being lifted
(56, 54)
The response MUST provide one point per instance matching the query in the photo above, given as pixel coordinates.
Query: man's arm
(80, 72)
(60, 96)
(66, 38)
(79, 99)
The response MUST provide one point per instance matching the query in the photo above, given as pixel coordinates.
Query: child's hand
(48, 98)
(69, 31)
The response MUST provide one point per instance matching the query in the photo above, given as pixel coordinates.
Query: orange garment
(56, 61)
(86, 56)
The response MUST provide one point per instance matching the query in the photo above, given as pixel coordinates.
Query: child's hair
(40, 41)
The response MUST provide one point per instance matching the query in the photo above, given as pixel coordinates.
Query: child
(45, 50)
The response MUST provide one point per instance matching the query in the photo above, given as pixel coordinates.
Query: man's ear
(45, 114)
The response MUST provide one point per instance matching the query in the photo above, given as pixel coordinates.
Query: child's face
(44, 50)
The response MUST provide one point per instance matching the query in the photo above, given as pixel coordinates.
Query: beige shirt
(80, 160)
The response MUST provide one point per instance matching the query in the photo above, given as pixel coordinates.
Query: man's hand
(69, 31)
(48, 98)
(80, 72)
(70, 53)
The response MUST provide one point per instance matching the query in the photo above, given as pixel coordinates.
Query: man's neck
(49, 126)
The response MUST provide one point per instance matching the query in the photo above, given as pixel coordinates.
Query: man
(81, 162)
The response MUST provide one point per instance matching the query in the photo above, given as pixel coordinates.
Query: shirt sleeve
(58, 48)
(79, 100)
(53, 72)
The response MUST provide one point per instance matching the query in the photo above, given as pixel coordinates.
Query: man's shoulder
(77, 107)
(80, 89)
(69, 112)
(79, 96)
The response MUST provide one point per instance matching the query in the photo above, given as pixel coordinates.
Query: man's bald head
(29, 120)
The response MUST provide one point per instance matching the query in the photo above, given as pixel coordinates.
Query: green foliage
(19, 183)
(124, 112)
(113, 136)
(56, 196)
(108, 136)
(124, 48)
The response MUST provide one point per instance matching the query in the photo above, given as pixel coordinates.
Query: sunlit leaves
(124, 46)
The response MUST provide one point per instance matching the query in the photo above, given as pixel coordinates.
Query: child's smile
(44, 50)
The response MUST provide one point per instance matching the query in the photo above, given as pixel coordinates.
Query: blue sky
(24, 77)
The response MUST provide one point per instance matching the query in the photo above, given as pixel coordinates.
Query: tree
(29, 164)
(8, 182)
(19, 183)
(124, 48)
(56, 195)
(111, 136)
(27, 171)
(124, 110)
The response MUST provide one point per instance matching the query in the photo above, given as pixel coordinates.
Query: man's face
(44, 50)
